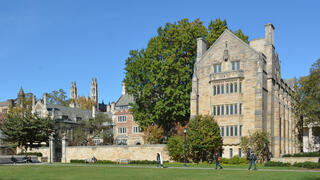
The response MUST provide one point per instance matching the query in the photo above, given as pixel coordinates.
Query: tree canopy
(159, 76)
(58, 97)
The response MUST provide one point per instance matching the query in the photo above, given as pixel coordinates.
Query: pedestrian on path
(253, 159)
(218, 159)
(159, 160)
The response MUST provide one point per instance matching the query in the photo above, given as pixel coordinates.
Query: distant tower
(20, 97)
(73, 90)
(94, 90)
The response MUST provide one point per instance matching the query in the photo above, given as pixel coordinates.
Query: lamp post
(184, 149)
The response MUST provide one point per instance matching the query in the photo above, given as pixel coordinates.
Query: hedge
(39, 154)
(145, 162)
(308, 164)
(306, 154)
(276, 164)
(77, 161)
(234, 160)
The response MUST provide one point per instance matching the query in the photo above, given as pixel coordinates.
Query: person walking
(159, 160)
(218, 159)
(253, 159)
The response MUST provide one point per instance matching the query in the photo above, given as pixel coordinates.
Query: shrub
(234, 160)
(306, 154)
(77, 161)
(307, 164)
(175, 148)
(105, 162)
(287, 155)
(276, 164)
(39, 154)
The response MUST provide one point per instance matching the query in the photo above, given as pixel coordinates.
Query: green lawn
(81, 171)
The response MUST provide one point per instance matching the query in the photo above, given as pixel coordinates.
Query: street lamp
(184, 149)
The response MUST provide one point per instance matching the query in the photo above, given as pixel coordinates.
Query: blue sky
(44, 44)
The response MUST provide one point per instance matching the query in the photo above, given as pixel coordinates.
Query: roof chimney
(201, 47)
(123, 88)
(269, 34)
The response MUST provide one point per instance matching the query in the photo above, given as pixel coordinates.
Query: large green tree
(159, 76)
(58, 97)
(26, 129)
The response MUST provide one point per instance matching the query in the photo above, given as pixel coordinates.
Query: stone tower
(94, 90)
(20, 96)
(73, 90)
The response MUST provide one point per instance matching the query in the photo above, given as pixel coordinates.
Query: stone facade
(311, 138)
(240, 84)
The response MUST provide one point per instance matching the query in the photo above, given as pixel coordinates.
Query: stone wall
(44, 150)
(293, 160)
(115, 152)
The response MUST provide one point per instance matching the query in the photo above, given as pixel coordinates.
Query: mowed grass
(76, 172)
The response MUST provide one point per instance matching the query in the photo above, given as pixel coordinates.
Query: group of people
(252, 157)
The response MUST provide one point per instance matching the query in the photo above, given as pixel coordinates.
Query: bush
(234, 160)
(77, 161)
(307, 164)
(105, 162)
(39, 154)
(306, 154)
(276, 164)
(175, 148)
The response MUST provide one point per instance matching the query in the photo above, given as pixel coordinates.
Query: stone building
(126, 130)
(240, 85)
(311, 138)
(4, 105)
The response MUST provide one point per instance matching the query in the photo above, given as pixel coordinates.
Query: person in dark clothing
(159, 160)
(14, 160)
(218, 158)
(253, 159)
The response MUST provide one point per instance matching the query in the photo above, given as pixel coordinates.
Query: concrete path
(153, 167)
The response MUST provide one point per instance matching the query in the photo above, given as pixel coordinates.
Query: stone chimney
(123, 88)
(269, 34)
(108, 107)
(33, 101)
(113, 104)
(93, 111)
(45, 100)
(201, 47)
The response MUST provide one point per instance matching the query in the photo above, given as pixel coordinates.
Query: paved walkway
(136, 166)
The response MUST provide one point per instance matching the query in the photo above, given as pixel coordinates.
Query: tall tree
(159, 77)
(58, 97)
(26, 129)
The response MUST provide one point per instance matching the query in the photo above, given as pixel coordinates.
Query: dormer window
(235, 65)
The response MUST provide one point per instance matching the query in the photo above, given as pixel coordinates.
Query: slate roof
(290, 82)
(71, 112)
(124, 100)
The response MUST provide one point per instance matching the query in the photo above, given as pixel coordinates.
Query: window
(240, 152)
(231, 152)
(222, 109)
(231, 109)
(122, 118)
(240, 130)
(227, 109)
(240, 87)
(218, 89)
(218, 110)
(219, 67)
(122, 130)
(222, 131)
(136, 129)
(240, 108)
(231, 88)
(235, 87)
(231, 130)
(124, 107)
(227, 88)
(238, 65)
(235, 130)
(214, 110)
(227, 127)
(222, 88)
(235, 108)
(233, 66)
(215, 68)
(214, 90)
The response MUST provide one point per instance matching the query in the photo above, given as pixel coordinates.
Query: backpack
(254, 157)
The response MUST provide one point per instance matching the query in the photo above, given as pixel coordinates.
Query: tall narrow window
(222, 131)
(235, 87)
(231, 152)
(222, 88)
(219, 67)
(240, 87)
(231, 130)
(227, 88)
(227, 109)
(214, 90)
(240, 152)
(238, 65)
(218, 110)
(231, 109)
(235, 108)
(215, 68)
(231, 88)
(222, 109)
(227, 128)
(233, 66)
(214, 110)
(218, 89)
(235, 130)
(240, 108)
(240, 130)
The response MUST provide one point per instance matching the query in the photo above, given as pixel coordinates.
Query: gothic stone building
(240, 85)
